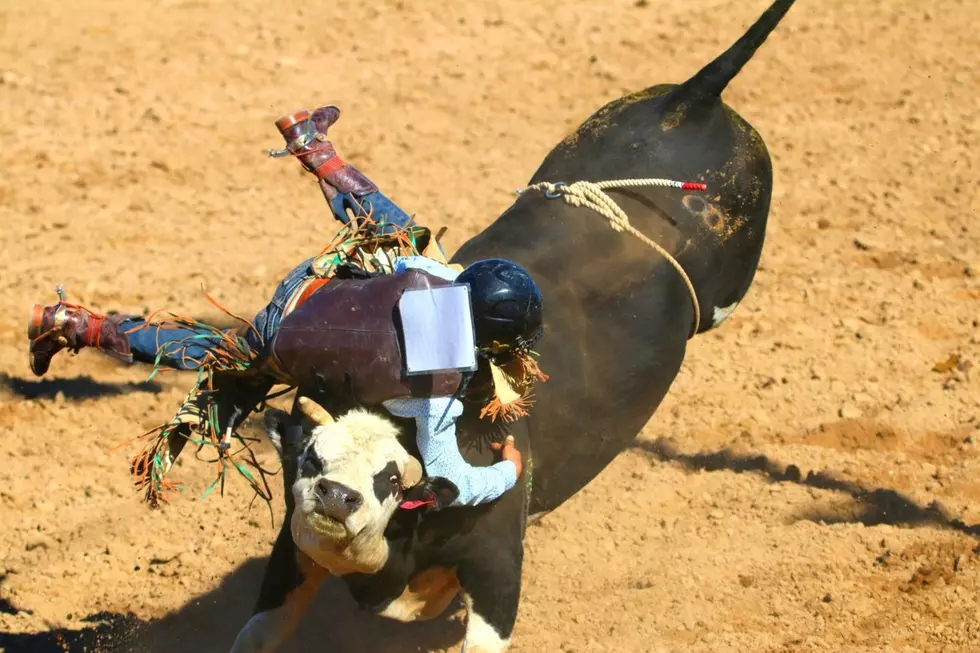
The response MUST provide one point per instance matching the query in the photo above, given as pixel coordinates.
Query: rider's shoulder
(426, 264)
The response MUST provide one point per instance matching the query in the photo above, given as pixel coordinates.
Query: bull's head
(352, 475)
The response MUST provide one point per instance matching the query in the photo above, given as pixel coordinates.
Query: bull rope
(591, 195)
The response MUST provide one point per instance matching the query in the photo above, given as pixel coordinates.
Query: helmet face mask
(507, 308)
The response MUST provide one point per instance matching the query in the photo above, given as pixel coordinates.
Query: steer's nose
(337, 500)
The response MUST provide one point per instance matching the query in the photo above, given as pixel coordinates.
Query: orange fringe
(530, 368)
(509, 413)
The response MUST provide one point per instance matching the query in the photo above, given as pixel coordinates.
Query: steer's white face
(350, 480)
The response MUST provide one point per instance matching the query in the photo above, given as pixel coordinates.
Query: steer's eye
(312, 465)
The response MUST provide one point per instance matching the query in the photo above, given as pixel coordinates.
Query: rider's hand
(509, 452)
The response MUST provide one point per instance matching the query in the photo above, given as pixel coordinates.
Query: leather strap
(330, 166)
(305, 290)
(93, 331)
(314, 285)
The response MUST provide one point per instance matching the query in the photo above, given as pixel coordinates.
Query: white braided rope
(591, 195)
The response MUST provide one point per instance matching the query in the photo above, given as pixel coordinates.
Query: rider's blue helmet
(506, 308)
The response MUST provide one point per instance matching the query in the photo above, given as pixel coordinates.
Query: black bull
(617, 321)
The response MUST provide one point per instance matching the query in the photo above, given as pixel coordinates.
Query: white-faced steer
(351, 477)
(347, 479)
(617, 320)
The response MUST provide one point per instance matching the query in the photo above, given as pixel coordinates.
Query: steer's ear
(286, 435)
(433, 492)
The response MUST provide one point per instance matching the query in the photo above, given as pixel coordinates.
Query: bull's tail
(711, 80)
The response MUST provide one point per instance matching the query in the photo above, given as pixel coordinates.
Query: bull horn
(412, 474)
(315, 411)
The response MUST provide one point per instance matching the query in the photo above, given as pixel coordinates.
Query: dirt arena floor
(811, 482)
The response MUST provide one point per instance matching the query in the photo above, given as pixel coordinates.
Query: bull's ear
(288, 437)
(433, 492)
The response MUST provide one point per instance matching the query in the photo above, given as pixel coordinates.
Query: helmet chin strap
(458, 395)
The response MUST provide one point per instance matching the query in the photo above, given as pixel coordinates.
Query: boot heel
(34, 325)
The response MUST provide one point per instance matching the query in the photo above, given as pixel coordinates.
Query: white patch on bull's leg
(426, 597)
(262, 634)
(266, 631)
(481, 637)
(722, 313)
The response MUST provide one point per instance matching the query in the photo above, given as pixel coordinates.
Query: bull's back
(617, 315)
(614, 338)
(650, 134)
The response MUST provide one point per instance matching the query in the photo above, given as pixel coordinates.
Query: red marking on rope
(693, 185)
(332, 165)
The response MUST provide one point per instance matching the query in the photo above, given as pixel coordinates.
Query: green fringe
(199, 411)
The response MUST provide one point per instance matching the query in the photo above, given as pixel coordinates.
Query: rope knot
(592, 195)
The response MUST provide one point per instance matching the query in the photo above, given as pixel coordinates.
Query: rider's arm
(436, 436)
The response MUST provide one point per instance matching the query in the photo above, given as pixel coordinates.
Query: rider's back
(345, 341)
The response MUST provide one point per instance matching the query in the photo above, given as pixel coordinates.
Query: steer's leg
(290, 583)
(491, 584)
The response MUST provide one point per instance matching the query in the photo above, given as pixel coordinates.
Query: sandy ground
(811, 481)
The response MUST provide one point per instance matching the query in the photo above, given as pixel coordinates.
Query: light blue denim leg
(179, 347)
(381, 209)
(267, 320)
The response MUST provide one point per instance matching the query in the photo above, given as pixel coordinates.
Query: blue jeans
(185, 348)
(389, 216)
(382, 210)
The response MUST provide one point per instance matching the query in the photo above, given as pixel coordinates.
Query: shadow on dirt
(210, 623)
(6, 607)
(75, 389)
(871, 506)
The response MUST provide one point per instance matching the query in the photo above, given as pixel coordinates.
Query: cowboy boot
(61, 326)
(305, 133)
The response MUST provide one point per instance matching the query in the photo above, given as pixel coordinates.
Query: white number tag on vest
(437, 325)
